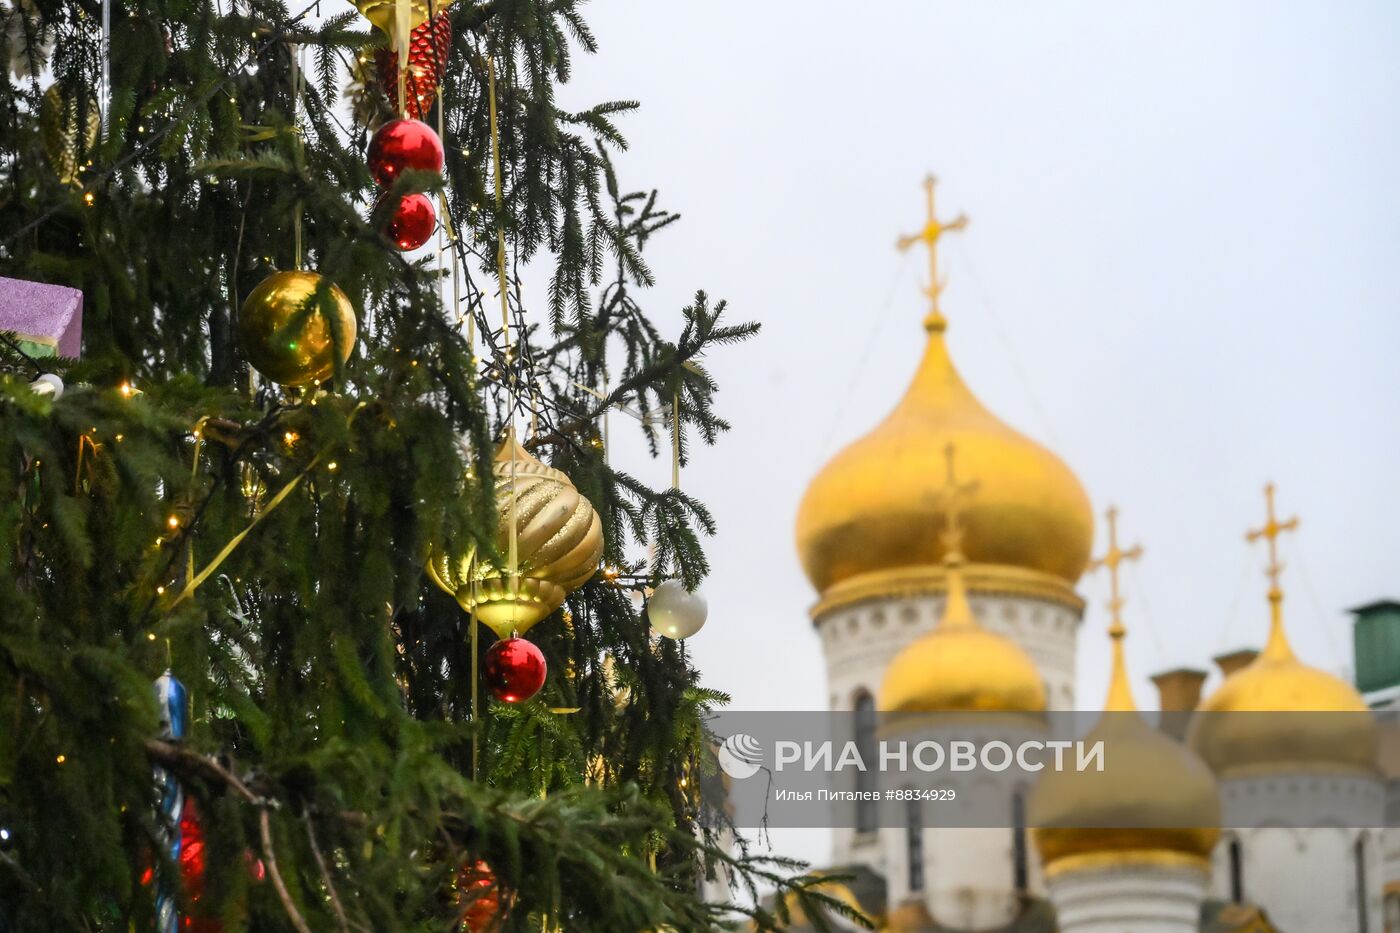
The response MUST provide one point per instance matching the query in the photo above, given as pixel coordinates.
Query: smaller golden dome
(1154, 800)
(559, 542)
(1276, 682)
(960, 666)
(910, 917)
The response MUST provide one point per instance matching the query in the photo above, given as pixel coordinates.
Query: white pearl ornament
(48, 384)
(675, 612)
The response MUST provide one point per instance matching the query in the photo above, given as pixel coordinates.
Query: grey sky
(1180, 274)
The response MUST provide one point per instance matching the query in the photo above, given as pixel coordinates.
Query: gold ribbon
(194, 583)
(194, 475)
(403, 29)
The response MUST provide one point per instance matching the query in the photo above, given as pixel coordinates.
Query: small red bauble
(514, 670)
(413, 222)
(479, 895)
(403, 145)
(428, 46)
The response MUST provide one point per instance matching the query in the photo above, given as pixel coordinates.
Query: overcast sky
(1180, 274)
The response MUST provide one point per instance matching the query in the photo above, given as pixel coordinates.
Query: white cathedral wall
(1131, 898)
(969, 873)
(859, 641)
(1306, 878)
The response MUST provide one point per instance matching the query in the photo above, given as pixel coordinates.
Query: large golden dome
(866, 520)
(961, 667)
(1154, 801)
(1260, 718)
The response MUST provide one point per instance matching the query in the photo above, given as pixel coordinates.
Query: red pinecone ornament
(427, 61)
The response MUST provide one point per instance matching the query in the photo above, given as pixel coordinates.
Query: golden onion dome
(1155, 801)
(1277, 682)
(961, 667)
(864, 521)
(559, 542)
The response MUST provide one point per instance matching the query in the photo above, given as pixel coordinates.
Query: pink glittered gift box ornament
(47, 319)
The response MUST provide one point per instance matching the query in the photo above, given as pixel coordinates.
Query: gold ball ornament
(559, 542)
(293, 330)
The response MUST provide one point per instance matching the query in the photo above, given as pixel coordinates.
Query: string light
(61, 759)
(173, 521)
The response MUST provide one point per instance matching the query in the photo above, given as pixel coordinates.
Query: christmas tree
(269, 544)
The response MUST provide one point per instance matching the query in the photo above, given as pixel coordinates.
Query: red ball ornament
(427, 60)
(515, 670)
(479, 895)
(403, 145)
(413, 222)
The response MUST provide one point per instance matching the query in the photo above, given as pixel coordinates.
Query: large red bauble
(428, 46)
(514, 670)
(403, 145)
(413, 222)
(479, 895)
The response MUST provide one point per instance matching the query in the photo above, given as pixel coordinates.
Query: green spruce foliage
(330, 749)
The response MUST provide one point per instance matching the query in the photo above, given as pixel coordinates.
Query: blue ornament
(173, 702)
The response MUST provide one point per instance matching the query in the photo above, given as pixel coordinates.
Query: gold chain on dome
(1120, 694)
(930, 235)
(1278, 641)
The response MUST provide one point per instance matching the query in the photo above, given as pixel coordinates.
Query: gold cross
(953, 496)
(929, 236)
(1112, 560)
(1271, 530)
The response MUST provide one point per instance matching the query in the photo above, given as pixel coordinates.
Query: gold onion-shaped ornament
(559, 542)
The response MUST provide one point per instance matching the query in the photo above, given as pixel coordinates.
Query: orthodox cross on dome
(1270, 532)
(1113, 559)
(929, 236)
(954, 496)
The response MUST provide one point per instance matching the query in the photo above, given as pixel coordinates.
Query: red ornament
(427, 60)
(403, 145)
(479, 896)
(414, 220)
(515, 670)
(193, 861)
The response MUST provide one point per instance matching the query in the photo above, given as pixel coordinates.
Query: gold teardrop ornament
(559, 542)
